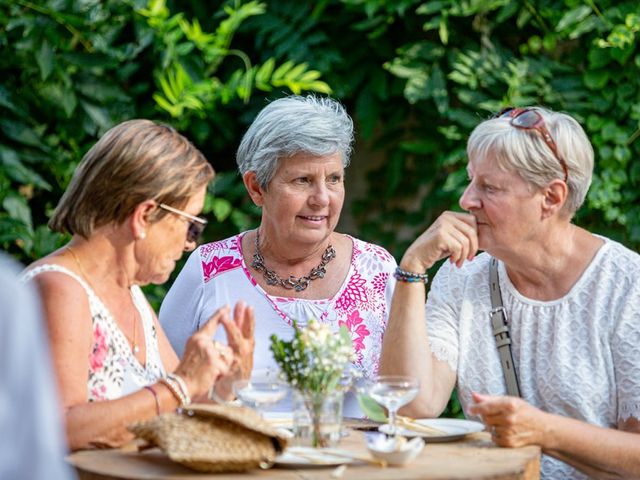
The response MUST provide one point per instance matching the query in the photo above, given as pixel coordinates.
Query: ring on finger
(220, 348)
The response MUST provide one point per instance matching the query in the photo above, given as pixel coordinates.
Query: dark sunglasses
(196, 224)
(528, 119)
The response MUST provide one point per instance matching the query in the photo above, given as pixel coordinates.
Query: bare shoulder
(64, 299)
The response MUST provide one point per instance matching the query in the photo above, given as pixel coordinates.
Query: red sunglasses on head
(528, 119)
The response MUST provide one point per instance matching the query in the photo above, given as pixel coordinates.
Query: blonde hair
(525, 152)
(134, 161)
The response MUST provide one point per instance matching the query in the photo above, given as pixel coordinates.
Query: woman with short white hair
(549, 313)
(294, 266)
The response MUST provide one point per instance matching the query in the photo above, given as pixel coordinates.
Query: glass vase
(317, 418)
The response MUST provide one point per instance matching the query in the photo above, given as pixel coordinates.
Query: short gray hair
(291, 125)
(525, 152)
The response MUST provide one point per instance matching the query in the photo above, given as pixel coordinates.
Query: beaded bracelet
(176, 390)
(155, 397)
(183, 386)
(411, 277)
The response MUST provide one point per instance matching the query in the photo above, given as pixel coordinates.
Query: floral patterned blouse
(216, 275)
(113, 369)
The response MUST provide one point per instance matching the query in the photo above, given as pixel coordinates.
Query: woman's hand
(240, 337)
(453, 235)
(203, 363)
(512, 421)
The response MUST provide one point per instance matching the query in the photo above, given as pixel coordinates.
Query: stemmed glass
(393, 392)
(260, 392)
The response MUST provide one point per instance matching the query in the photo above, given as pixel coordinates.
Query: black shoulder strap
(501, 332)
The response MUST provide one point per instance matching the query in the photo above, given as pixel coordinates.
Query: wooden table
(475, 457)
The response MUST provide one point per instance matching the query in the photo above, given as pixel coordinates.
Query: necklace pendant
(136, 349)
(291, 283)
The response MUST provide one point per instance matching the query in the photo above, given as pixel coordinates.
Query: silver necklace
(291, 283)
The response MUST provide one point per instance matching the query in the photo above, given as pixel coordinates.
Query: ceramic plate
(307, 457)
(453, 428)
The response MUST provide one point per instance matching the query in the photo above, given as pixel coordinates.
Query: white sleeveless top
(113, 369)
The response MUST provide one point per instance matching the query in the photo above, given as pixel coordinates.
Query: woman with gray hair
(541, 333)
(294, 266)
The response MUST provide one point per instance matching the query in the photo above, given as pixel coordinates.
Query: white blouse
(113, 369)
(216, 275)
(577, 356)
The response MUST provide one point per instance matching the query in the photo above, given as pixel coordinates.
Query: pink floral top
(113, 369)
(216, 275)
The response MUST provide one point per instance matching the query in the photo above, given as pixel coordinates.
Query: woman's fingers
(248, 323)
(223, 358)
(240, 337)
(453, 234)
(218, 316)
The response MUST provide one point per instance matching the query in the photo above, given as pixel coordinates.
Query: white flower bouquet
(313, 363)
(315, 359)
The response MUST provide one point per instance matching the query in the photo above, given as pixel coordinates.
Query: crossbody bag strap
(501, 332)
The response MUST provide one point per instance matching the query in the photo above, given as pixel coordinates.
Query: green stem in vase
(314, 407)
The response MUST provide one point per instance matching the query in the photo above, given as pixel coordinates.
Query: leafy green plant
(191, 86)
(71, 70)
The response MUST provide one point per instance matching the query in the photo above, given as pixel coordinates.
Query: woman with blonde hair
(132, 209)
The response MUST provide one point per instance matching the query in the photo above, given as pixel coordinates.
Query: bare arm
(405, 349)
(598, 452)
(104, 423)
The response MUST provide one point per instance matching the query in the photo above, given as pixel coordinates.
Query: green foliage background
(416, 75)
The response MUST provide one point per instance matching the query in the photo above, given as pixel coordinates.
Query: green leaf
(21, 133)
(320, 87)
(572, 17)
(371, 408)
(17, 171)
(17, 207)
(45, 59)
(295, 72)
(99, 115)
(7, 101)
(221, 208)
(443, 30)
(432, 7)
(58, 95)
(282, 70)
(437, 87)
(263, 75)
(596, 79)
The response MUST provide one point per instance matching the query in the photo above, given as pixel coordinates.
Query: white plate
(307, 457)
(454, 428)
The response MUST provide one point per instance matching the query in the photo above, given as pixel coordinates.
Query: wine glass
(260, 392)
(393, 392)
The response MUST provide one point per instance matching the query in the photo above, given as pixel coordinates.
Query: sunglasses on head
(528, 119)
(196, 224)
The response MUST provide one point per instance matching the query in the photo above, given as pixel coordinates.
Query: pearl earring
(142, 236)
